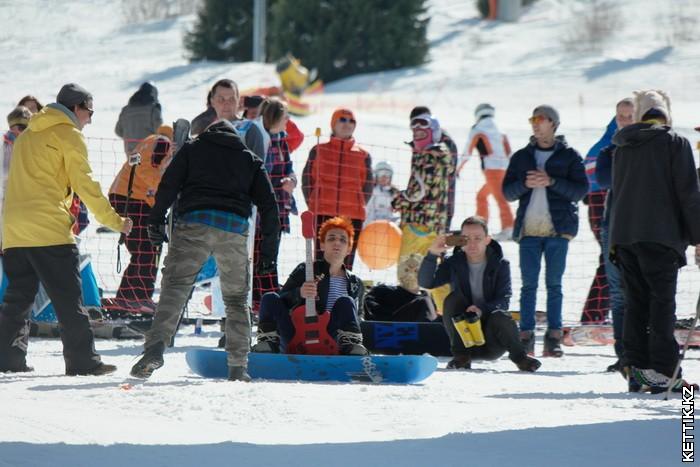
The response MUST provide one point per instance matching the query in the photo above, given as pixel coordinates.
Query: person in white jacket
(379, 205)
(494, 152)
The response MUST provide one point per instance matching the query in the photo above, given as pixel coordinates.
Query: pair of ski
(312, 351)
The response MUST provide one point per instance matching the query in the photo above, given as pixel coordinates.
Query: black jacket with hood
(657, 195)
(216, 171)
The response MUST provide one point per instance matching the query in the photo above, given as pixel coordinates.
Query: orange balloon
(379, 244)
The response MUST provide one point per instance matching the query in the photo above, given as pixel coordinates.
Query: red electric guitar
(310, 329)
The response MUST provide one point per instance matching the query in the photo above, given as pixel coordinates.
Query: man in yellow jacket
(49, 164)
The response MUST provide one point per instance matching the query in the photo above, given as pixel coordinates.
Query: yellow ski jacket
(49, 163)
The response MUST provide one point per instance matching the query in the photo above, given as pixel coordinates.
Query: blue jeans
(617, 296)
(273, 309)
(531, 251)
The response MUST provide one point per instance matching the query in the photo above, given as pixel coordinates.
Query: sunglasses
(347, 120)
(537, 119)
(419, 123)
(90, 111)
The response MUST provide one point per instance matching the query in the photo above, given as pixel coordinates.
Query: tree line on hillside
(338, 38)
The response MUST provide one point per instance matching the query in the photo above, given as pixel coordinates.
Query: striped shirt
(338, 287)
(222, 220)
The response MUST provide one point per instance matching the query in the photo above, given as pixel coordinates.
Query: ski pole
(685, 349)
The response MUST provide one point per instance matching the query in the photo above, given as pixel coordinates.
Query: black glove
(267, 267)
(156, 234)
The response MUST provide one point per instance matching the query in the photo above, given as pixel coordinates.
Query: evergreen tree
(223, 31)
(342, 38)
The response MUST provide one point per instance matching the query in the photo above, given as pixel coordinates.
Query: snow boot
(460, 362)
(350, 343)
(552, 343)
(151, 360)
(527, 338)
(238, 373)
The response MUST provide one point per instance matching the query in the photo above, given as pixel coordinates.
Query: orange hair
(340, 222)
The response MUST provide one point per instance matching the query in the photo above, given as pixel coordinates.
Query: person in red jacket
(337, 178)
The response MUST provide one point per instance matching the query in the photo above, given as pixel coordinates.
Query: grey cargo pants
(190, 247)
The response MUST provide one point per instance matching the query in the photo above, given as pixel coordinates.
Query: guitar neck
(310, 308)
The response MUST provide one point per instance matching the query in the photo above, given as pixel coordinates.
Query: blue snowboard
(211, 363)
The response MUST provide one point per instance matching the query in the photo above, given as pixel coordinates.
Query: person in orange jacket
(136, 288)
(337, 178)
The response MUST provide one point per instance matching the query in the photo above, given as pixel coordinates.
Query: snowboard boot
(350, 343)
(151, 360)
(460, 362)
(238, 373)
(527, 363)
(268, 342)
(527, 338)
(99, 370)
(552, 343)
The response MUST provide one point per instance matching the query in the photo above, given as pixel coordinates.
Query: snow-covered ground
(569, 413)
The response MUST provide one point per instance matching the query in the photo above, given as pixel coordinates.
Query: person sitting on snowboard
(336, 290)
(479, 278)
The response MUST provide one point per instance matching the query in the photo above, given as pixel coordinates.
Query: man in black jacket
(479, 277)
(218, 179)
(655, 216)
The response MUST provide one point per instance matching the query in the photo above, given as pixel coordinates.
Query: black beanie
(72, 94)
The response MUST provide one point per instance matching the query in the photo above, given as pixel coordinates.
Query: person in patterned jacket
(424, 204)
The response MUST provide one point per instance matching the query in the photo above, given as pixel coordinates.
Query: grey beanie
(548, 111)
(72, 94)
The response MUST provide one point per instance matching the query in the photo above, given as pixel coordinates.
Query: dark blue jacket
(603, 174)
(565, 166)
(590, 162)
(455, 271)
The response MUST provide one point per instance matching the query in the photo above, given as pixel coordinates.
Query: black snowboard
(391, 338)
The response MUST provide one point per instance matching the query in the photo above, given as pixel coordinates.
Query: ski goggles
(347, 120)
(537, 119)
(420, 123)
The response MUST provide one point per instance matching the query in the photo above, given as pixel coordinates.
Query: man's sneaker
(552, 343)
(527, 338)
(528, 363)
(268, 342)
(350, 343)
(238, 373)
(659, 382)
(101, 369)
(151, 360)
(460, 362)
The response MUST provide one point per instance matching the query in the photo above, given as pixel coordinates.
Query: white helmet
(484, 110)
(383, 168)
